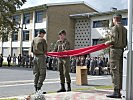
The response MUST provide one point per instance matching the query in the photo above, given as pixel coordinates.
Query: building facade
(90, 28)
(51, 17)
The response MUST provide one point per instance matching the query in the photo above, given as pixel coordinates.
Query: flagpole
(129, 82)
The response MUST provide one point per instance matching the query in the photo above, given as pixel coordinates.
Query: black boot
(39, 88)
(116, 94)
(35, 88)
(62, 88)
(68, 86)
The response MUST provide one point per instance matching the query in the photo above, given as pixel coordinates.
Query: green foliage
(6, 64)
(7, 9)
(107, 30)
(10, 99)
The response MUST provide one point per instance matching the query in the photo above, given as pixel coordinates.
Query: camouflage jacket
(39, 46)
(118, 36)
(62, 45)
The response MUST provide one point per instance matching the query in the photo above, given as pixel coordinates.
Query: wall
(58, 19)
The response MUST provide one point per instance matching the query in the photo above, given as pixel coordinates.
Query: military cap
(117, 15)
(42, 31)
(62, 32)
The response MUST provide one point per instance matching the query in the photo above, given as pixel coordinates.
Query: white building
(90, 27)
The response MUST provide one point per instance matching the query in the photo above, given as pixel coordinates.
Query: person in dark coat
(1, 60)
(9, 60)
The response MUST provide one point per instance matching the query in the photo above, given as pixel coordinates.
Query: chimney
(113, 9)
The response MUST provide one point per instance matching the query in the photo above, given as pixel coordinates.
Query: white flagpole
(129, 87)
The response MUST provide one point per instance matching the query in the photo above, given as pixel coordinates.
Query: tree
(7, 9)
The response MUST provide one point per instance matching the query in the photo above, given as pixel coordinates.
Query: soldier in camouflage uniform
(63, 63)
(118, 40)
(39, 48)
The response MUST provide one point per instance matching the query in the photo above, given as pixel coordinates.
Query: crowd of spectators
(20, 60)
(95, 65)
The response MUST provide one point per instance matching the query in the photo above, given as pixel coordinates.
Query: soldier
(63, 63)
(39, 48)
(118, 40)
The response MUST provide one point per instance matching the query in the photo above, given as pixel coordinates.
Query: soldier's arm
(67, 45)
(56, 47)
(32, 46)
(115, 36)
(45, 46)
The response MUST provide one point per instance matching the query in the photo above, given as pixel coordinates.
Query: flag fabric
(78, 52)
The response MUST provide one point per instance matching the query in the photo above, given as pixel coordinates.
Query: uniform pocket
(115, 54)
(114, 65)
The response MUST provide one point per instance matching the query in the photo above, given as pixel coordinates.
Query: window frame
(25, 32)
(26, 18)
(39, 16)
(15, 36)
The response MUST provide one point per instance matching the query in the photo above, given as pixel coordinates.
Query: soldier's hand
(102, 38)
(107, 43)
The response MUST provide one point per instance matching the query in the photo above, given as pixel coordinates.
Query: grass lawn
(10, 99)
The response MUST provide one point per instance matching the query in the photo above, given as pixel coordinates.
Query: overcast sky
(101, 5)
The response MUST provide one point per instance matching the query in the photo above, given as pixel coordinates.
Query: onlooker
(1, 60)
(54, 63)
(9, 60)
(19, 60)
(73, 64)
(82, 61)
(87, 63)
(31, 61)
(23, 60)
(92, 66)
(14, 59)
(78, 61)
(27, 60)
(100, 65)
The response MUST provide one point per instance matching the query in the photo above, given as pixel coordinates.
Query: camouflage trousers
(39, 70)
(64, 69)
(116, 66)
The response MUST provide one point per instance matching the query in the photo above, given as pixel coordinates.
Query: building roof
(93, 14)
(44, 6)
(71, 3)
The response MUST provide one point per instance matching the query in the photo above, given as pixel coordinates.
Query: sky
(100, 5)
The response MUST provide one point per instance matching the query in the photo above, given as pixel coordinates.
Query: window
(39, 16)
(96, 41)
(101, 23)
(25, 35)
(14, 51)
(36, 32)
(15, 36)
(25, 51)
(16, 18)
(5, 52)
(26, 19)
(124, 21)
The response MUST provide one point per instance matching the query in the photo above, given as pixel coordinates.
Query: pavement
(74, 95)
